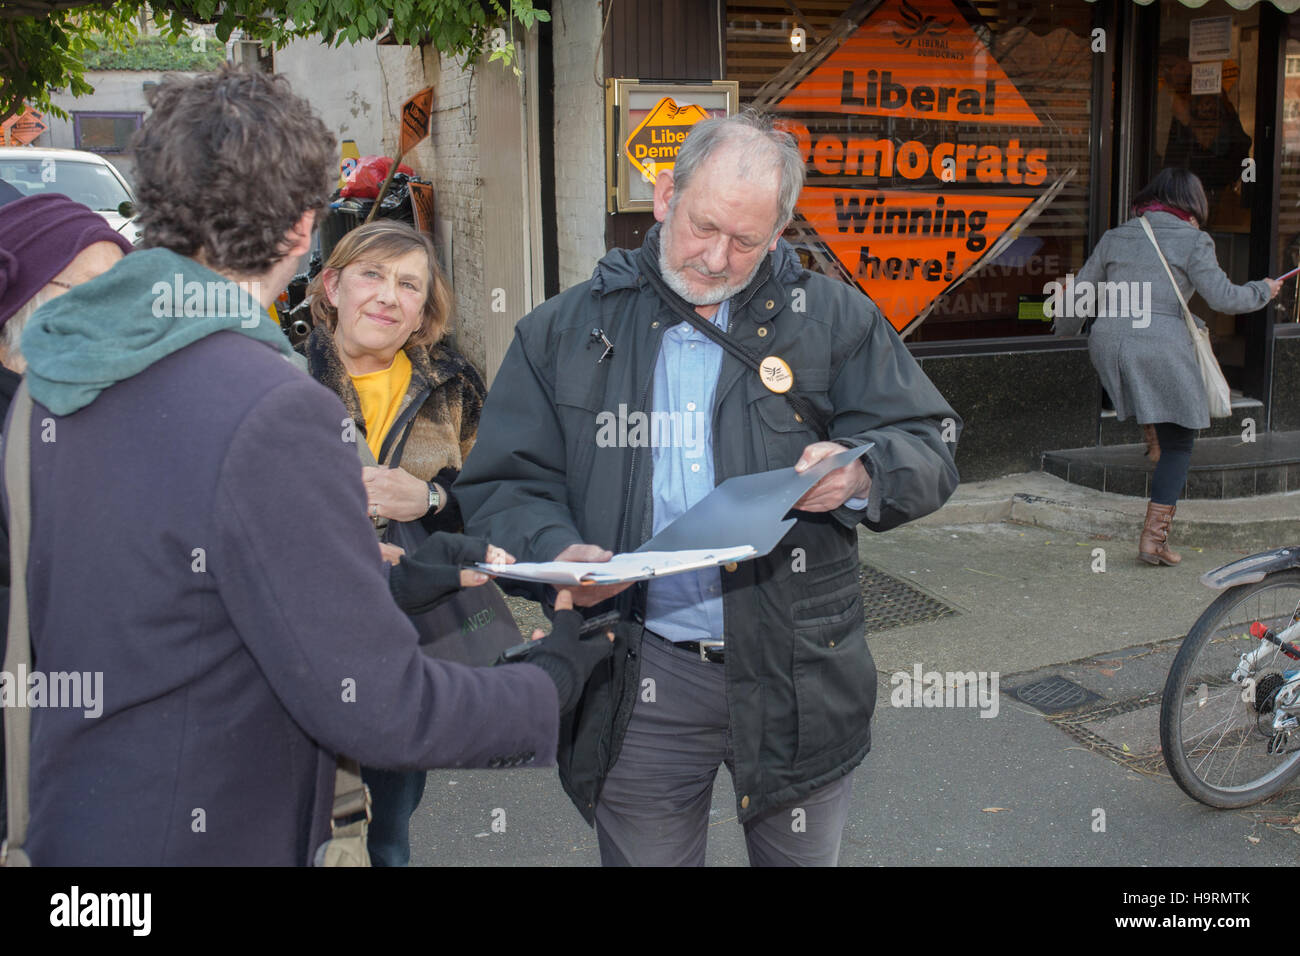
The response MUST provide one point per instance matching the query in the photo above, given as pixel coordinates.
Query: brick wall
(451, 158)
(358, 91)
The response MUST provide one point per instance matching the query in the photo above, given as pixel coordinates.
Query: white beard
(676, 281)
(676, 278)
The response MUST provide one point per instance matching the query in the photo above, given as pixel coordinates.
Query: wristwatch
(435, 499)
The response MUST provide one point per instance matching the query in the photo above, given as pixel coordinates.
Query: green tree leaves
(46, 53)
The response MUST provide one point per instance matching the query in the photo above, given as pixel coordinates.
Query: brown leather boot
(1153, 546)
(1153, 443)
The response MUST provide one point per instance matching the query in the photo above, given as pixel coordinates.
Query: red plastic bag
(364, 181)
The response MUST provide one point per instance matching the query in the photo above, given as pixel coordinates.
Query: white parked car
(86, 177)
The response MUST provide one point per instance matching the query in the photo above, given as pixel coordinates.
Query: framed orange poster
(646, 123)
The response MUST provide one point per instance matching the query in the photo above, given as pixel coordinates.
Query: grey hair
(761, 142)
(11, 333)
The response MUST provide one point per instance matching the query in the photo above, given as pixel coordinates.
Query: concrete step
(1043, 500)
(1223, 467)
(1128, 432)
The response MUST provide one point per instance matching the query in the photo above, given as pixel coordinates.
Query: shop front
(961, 157)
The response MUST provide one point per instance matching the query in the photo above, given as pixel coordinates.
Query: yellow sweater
(381, 395)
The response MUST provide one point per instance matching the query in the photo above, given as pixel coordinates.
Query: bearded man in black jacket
(761, 666)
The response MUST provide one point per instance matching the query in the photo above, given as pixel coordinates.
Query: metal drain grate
(888, 602)
(1073, 724)
(1053, 695)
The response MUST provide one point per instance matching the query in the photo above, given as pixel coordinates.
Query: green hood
(151, 304)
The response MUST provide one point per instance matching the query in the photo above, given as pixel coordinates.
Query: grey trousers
(654, 807)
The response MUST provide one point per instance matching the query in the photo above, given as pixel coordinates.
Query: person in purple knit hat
(48, 245)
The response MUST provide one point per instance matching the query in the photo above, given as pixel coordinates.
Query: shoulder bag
(1217, 394)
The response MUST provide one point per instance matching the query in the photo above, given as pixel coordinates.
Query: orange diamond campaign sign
(415, 118)
(908, 204)
(918, 60)
(653, 145)
(903, 248)
(24, 128)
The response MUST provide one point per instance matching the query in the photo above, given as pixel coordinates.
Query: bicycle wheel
(1219, 745)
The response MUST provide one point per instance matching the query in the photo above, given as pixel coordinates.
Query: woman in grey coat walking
(1145, 356)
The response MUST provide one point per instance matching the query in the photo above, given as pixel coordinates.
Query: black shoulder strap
(800, 404)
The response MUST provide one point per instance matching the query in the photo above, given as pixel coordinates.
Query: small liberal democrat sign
(653, 145)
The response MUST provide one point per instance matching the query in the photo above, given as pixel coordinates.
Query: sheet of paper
(620, 569)
(1207, 78)
(1209, 38)
(747, 509)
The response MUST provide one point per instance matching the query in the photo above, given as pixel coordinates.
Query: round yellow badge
(776, 375)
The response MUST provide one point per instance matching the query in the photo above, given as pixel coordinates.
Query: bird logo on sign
(920, 24)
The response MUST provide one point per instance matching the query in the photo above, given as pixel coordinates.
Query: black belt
(711, 652)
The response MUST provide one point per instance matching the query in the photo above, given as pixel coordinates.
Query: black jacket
(801, 684)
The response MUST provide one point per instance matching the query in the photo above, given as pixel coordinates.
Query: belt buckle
(706, 646)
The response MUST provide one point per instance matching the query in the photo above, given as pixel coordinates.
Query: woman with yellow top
(380, 307)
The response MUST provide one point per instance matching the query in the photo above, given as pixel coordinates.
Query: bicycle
(1230, 712)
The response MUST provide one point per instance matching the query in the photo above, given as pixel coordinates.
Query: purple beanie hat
(39, 236)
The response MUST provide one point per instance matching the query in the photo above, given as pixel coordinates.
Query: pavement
(1015, 566)
(1043, 500)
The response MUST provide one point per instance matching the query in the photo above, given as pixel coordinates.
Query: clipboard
(620, 569)
(748, 509)
(741, 519)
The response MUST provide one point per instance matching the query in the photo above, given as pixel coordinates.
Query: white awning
(1286, 6)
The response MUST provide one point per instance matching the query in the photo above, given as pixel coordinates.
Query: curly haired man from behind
(243, 643)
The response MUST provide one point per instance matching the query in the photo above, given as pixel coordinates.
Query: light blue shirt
(685, 607)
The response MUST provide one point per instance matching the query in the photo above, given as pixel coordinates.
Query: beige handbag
(347, 843)
(351, 811)
(1217, 393)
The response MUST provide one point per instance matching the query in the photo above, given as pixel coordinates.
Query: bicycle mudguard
(1252, 569)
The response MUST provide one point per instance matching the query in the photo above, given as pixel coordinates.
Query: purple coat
(199, 537)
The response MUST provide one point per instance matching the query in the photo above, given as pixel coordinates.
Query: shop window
(1289, 191)
(1207, 61)
(946, 145)
(105, 132)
